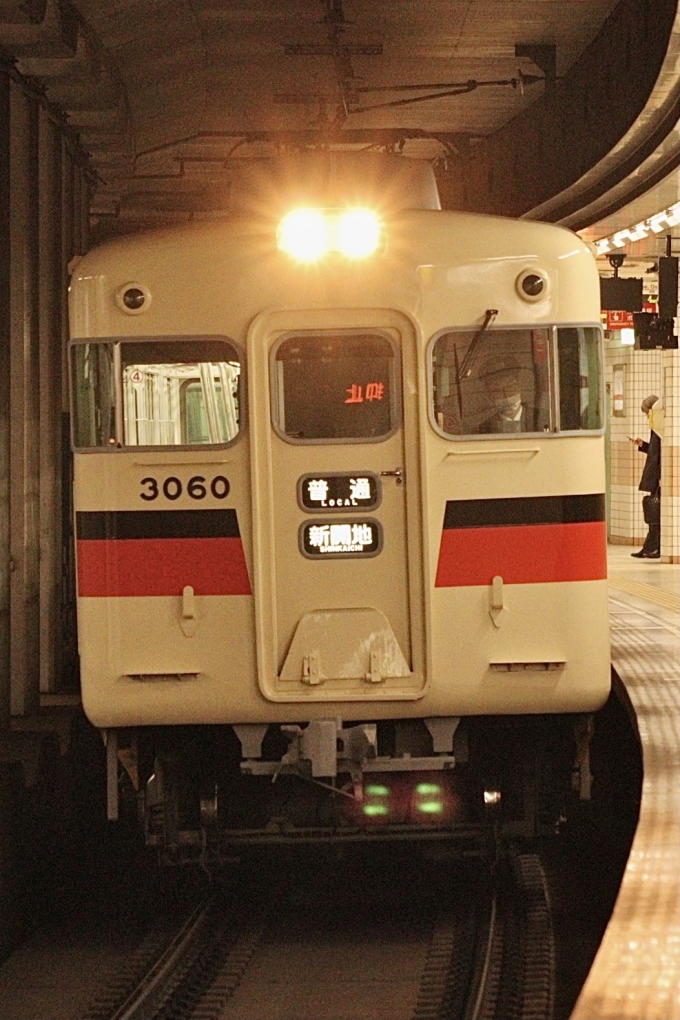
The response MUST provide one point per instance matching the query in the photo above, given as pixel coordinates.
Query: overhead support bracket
(544, 56)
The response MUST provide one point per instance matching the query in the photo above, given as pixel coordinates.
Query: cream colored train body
(457, 571)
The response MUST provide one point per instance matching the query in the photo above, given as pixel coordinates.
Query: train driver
(501, 376)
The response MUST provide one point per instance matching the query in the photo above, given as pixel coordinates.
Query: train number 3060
(196, 488)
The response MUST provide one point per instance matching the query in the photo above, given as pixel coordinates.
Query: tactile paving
(636, 972)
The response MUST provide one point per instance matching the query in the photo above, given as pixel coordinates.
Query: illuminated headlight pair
(308, 234)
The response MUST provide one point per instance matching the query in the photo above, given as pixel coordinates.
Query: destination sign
(319, 540)
(338, 491)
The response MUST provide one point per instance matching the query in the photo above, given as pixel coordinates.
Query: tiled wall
(670, 458)
(645, 372)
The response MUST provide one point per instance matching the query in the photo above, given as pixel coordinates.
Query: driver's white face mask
(508, 403)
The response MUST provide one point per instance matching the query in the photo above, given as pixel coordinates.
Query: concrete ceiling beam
(80, 68)
(22, 12)
(55, 35)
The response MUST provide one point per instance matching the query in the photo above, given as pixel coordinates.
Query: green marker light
(431, 807)
(373, 810)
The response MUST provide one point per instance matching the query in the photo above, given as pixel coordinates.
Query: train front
(339, 517)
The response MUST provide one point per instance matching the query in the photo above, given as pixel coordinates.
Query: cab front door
(336, 501)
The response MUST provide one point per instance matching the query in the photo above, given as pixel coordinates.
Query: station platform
(636, 972)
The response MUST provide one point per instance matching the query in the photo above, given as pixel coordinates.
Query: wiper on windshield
(466, 363)
(465, 368)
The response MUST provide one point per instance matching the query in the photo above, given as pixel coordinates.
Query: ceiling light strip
(653, 225)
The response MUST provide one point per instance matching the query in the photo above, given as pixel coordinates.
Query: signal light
(376, 803)
(431, 807)
(429, 799)
(433, 788)
(308, 234)
(376, 810)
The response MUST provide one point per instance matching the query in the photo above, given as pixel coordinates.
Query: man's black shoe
(643, 555)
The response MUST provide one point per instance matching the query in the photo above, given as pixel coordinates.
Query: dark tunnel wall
(44, 198)
(551, 145)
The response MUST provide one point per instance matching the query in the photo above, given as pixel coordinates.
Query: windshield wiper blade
(466, 363)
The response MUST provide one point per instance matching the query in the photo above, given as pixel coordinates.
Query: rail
(490, 954)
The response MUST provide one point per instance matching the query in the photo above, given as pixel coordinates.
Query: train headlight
(304, 234)
(358, 233)
(308, 234)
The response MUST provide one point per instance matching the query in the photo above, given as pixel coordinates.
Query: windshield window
(503, 381)
(155, 393)
(496, 381)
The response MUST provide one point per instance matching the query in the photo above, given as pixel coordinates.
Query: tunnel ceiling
(170, 95)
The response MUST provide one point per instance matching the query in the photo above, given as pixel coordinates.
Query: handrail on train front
(485, 453)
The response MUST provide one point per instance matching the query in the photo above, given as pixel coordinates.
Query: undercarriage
(206, 793)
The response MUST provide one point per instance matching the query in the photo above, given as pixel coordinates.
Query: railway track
(482, 949)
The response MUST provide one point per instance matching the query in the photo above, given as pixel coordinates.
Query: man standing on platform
(650, 483)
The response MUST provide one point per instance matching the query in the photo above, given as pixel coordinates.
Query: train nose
(353, 646)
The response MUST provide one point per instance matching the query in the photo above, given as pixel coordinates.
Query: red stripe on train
(162, 566)
(525, 554)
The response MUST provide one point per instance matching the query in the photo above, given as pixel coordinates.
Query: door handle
(397, 473)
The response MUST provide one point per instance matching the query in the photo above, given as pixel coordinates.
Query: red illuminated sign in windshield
(372, 390)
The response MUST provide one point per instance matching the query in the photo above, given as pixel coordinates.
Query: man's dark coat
(651, 474)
